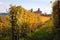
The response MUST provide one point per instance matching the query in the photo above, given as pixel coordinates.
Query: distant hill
(4, 14)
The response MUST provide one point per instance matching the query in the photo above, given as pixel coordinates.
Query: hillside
(48, 24)
(25, 16)
(28, 22)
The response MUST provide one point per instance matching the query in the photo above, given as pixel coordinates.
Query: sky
(44, 5)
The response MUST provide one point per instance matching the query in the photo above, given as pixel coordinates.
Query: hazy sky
(44, 5)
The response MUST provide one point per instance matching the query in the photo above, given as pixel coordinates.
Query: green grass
(5, 38)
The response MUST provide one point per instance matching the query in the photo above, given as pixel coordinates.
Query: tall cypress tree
(55, 13)
(56, 16)
(59, 16)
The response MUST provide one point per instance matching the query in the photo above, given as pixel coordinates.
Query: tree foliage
(55, 13)
(14, 24)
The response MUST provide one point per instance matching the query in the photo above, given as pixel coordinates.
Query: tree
(24, 30)
(14, 24)
(19, 9)
(56, 16)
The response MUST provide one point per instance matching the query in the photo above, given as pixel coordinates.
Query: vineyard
(23, 24)
(32, 19)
